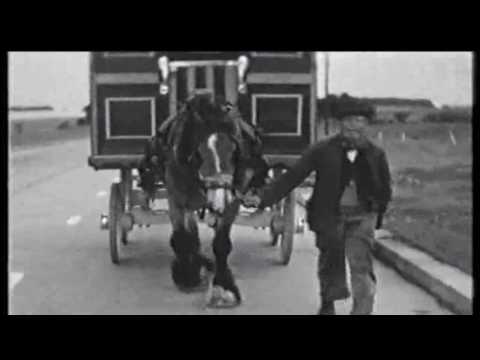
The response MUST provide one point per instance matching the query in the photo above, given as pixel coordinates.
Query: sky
(60, 79)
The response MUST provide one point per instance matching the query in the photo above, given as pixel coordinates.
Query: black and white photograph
(240, 182)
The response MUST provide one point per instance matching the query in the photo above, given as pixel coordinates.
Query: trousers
(351, 240)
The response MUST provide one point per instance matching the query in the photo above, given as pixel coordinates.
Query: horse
(208, 158)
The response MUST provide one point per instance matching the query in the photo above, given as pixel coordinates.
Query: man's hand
(251, 200)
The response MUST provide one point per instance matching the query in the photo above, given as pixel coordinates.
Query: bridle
(222, 181)
(226, 181)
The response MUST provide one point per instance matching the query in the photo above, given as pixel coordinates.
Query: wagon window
(278, 54)
(129, 117)
(278, 114)
(123, 54)
(200, 77)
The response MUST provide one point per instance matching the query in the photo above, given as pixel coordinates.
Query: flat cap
(346, 105)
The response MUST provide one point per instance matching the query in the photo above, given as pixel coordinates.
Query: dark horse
(208, 157)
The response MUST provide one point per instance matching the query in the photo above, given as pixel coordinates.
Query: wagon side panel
(281, 100)
(126, 106)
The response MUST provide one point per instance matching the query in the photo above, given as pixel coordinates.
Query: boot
(327, 308)
(364, 308)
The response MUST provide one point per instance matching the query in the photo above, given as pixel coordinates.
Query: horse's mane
(200, 116)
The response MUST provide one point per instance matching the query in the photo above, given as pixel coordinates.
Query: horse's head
(210, 143)
(209, 139)
(218, 154)
(218, 150)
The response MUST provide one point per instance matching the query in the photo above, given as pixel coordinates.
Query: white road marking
(74, 220)
(13, 279)
(101, 194)
(452, 138)
(212, 140)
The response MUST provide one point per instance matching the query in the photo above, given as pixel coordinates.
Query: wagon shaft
(259, 219)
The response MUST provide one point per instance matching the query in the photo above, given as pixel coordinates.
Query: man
(352, 189)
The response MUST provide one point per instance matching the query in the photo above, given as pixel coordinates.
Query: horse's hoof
(219, 298)
(190, 278)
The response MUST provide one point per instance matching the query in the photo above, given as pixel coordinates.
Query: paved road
(59, 258)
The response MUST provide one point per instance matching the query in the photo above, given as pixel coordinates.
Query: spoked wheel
(286, 238)
(274, 236)
(274, 172)
(124, 237)
(118, 236)
(286, 211)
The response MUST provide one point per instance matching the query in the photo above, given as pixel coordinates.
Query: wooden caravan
(132, 93)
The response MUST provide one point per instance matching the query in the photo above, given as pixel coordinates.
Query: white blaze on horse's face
(212, 141)
(217, 158)
(217, 170)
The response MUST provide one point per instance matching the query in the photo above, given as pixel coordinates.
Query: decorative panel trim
(109, 100)
(299, 98)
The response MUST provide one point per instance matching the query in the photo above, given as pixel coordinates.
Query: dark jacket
(326, 159)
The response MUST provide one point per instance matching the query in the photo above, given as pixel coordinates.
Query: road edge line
(412, 271)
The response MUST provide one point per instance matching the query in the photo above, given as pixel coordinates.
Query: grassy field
(40, 132)
(432, 174)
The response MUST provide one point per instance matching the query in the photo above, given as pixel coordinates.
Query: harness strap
(248, 129)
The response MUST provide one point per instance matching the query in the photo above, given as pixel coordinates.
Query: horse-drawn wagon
(136, 95)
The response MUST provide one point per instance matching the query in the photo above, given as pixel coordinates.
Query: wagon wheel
(124, 237)
(123, 233)
(274, 172)
(274, 236)
(289, 215)
(118, 236)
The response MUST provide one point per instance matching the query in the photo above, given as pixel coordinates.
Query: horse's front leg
(185, 242)
(224, 291)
